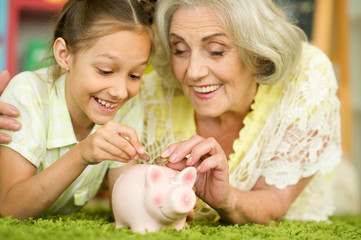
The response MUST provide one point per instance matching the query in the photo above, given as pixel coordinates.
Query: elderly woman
(249, 103)
(238, 93)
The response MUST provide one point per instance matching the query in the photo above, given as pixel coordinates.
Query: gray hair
(268, 44)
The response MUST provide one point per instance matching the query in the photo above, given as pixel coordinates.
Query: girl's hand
(114, 141)
(7, 110)
(212, 183)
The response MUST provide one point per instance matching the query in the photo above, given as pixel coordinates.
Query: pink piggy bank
(150, 197)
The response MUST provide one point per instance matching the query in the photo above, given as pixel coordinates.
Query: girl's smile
(102, 78)
(105, 105)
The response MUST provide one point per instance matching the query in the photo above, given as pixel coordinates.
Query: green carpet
(95, 223)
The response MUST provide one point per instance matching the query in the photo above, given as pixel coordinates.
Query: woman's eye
(217, 53)
(178, 52)
(179, 48)
(104, 72)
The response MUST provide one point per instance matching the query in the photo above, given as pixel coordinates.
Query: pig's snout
(182, 201)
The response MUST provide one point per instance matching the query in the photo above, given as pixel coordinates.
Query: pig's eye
(175, 182)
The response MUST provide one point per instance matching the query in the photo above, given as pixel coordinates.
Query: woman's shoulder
(314, 70)
(313, 58)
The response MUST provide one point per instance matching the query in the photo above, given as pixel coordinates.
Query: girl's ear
(61, 54)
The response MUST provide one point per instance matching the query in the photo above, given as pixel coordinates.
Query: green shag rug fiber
(94, 222)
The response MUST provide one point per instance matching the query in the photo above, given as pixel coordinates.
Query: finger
(4, 138)
(117, 145)
(8, 110)
(106, 155)
(214, 162)
(169, 150)
(9, 124)
(115, 151)
(4, 80)
(184, 148)
(132, 137)
(190, 216)
(178, 166)
(204, 149)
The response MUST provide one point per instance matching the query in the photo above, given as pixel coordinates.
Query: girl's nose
(118, 90)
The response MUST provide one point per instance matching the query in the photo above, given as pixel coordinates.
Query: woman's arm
(262, 204)
(7, 110)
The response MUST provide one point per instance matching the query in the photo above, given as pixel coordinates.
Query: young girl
(74, 115)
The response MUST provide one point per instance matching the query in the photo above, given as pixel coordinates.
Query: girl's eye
(132, 76)
(104, 72)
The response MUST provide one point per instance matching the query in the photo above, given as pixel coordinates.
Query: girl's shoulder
(30, 81)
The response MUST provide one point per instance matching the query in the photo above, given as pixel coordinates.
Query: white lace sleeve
(307, 137)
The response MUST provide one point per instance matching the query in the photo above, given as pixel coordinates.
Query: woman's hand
(7, 110)
(212, 184)
(114, 141)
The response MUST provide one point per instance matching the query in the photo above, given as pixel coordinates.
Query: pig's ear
(188, 176)
(154, 175)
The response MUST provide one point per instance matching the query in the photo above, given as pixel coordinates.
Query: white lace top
(292, 132)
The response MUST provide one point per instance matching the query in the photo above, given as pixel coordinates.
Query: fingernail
(142, 150)
(165, 153)
(13, 111)
(5, 139)
(144, 156)
(173, 157)
(15, 126)
(189, 160)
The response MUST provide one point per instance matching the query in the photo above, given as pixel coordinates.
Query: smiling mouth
(106, 104)
(164, 215)
(206, 89)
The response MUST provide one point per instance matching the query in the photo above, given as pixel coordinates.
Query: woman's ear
(61, 54)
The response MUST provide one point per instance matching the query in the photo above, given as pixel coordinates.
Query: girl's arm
(24, 194)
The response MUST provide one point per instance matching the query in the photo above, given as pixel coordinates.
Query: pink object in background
(147, 198)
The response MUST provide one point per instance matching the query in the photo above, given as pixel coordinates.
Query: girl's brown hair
(81, 22)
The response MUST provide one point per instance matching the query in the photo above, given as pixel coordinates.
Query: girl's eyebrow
(204, 39)
(114, 58)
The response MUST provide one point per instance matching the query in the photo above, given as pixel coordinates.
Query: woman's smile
(206, 92)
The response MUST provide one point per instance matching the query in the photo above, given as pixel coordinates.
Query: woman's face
(207, 64)
(102, 78)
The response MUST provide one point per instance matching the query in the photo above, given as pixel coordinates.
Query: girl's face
(207, 64)
(102, 78)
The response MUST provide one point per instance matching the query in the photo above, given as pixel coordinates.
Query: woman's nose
(197, 67)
